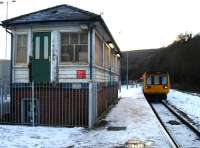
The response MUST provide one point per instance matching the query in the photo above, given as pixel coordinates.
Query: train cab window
(164, 80)
(149, 80)
(156, 80)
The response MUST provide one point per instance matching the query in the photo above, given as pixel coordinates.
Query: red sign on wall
(80, 74)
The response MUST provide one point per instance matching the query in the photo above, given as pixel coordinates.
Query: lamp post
(127, 70)
(6, 2)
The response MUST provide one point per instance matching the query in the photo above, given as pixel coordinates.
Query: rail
(169, 136)
(184, 120)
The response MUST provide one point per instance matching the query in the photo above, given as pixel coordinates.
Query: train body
(156, 85)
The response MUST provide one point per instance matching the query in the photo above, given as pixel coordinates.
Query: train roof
(157, 71)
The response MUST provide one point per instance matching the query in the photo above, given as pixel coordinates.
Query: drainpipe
(90, 105)
(91, 52)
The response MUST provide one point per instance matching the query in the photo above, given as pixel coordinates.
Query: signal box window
(74, 47)
(98, 50)
(21, 48)
(106, 56)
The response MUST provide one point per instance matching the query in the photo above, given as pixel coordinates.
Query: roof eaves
(49, 21)
(108, 31)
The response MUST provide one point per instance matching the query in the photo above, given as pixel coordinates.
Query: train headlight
(165, 87)
(147, 87)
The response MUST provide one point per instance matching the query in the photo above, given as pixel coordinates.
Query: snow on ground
(132, 112)
(188, 103)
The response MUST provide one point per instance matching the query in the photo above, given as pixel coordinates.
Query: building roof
(60, 13)
(57, 13)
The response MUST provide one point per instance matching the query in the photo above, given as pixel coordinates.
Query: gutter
(108, 31)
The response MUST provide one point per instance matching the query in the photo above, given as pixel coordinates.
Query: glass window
(81, 53)
(149, 81)
(107, 55)
(65, 38)
(164, 80)
(98, 50)
(67, 53)
(46, 47)
(74, 38)
(37, 48)
(21, 48)
(74, 47)
(112, 61)
(156, 80)
(83, 38)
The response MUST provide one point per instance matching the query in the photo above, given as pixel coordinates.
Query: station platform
(142, 125)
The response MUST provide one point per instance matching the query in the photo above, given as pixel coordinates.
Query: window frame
(15, 49)
(100, 61)
(74, 56)
(107, 66)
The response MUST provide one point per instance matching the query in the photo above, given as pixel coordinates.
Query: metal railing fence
(55, 104)
(52, 104)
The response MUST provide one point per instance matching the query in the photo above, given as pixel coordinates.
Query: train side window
(156, 80)
(164, 80)
(152, 80)
(149, 81)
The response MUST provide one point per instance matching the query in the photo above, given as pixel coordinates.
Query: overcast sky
(135, 24)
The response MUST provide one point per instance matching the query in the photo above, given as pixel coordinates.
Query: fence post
(33, 105)
(1, 99)
(92, 104)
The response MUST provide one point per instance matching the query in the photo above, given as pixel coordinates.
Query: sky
(134, 24)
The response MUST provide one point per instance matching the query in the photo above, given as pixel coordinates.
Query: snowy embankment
(132, 112)
(188, 103)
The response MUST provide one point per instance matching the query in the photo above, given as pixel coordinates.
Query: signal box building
(65, 67)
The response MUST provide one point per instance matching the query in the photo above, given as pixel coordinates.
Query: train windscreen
(156, 80)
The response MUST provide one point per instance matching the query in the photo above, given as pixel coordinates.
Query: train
(156, 85)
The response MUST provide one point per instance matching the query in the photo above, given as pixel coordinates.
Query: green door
(41, 65)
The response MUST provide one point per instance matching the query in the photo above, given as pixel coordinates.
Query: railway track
(180, 131)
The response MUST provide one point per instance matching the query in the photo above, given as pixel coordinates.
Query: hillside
(180, 59)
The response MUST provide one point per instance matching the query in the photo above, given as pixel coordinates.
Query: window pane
(37, 47)
(46, 47)
(83, 38)
(112, 61)
(98, 50)
(21, 48)
(65, 38)
(107, 55)
(149, 80)
(73, 38)
(156, 80)
(164, 80)
(67, 53)
(81, 53)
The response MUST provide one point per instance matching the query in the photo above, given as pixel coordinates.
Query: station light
(111, 45)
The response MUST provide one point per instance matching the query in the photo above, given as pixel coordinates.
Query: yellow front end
(156, 89)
